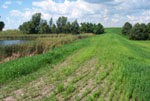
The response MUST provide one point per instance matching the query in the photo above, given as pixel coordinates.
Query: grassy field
(106, 67)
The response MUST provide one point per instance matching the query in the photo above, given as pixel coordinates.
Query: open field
(105, 67)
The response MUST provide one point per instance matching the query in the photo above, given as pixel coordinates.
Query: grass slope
(105, 67)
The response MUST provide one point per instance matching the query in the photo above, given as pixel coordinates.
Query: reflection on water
(10, 42)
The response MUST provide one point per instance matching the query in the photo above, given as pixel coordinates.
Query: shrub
(126, 28)
(139, 32)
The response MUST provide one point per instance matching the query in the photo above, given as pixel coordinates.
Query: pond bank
(38, 46)
(31, 37)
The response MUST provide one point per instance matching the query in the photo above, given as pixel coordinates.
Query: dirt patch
(10, 98)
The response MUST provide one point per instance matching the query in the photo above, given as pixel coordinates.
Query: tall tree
(126, 28)
(54, 28)
(148, 30)
(36, 19)
(87, 28)
(61, 24)
(31, 27)
(68, 28)
(75, 27)
(99, 29)
(139, 32)
(83, 27)
(43, 27)
(1, 25)
(27, 27)
(51, 24)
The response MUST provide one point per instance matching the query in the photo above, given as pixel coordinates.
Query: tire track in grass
(39, 81)
(66, 78)
(86, 72)
(75, 73)
(122, 87)
(107, 84)
(99, 85)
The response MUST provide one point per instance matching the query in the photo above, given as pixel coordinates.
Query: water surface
(10, 42)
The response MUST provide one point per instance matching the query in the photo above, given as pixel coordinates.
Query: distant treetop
(38, 25)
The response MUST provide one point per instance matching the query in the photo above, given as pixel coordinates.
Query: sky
(111, 13)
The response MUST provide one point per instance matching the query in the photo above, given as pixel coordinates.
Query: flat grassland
(106, 67)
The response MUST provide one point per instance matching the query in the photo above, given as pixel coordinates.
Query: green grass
(116, 30)
(113, 67)
(24, 66)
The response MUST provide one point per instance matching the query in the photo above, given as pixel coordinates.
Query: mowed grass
(115, 30)
(106, 67)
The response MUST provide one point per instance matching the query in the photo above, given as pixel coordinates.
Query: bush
(126, 28)
(139, 32)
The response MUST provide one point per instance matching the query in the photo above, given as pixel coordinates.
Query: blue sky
(111, 13)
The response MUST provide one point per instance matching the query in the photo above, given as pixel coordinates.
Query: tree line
(39, 26)
(2, 25)
(137, 32)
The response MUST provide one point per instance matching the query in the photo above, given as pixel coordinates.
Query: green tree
(54, 28)
(27, 27)
(36, 19)
(51, 24)
(75, 27)
(83, 27)
(139, 32)
(126, 28)
(68, 28)
(98, 29)
(61, 24)
(148, 30)
(44, 27)
(32, 26)
(87, 28)
(1, 25)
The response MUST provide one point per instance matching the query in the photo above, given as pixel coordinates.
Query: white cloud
(115, 20)
(27, 14)
(19, 2)
(72, 9)
(4, 6)
(108, 12)
(144, 18)
(7, 2)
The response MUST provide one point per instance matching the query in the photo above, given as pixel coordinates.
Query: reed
(40, 45)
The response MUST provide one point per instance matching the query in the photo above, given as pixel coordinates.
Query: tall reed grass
(38, 46)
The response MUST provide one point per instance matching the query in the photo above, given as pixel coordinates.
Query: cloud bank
(111, 13)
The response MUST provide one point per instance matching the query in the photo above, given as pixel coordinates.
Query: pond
(10, 42)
